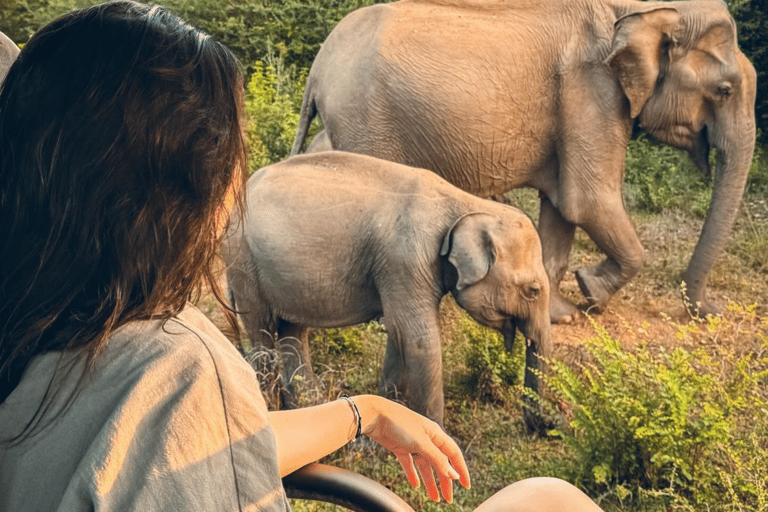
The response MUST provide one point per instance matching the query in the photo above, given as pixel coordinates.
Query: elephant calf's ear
(469, 247)
(637, 50)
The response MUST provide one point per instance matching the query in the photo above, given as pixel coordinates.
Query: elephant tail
(307, 114)
(231, 298)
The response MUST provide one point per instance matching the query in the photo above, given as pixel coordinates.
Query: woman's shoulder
(188, 339)
(185, 354)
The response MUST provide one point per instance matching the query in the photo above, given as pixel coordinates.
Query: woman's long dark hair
(120, 134)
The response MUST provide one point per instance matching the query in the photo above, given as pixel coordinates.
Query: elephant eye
(724, 91)
(532, 291)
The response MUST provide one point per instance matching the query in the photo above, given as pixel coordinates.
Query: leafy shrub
(491, 369)
(659, 176)
(273, 99)
(343, 340)
(679, 422)
(251, 27)
(757, 183)
(348, 358)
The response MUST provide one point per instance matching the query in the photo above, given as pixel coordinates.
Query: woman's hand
(417, 442)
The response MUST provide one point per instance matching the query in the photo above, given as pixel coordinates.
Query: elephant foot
(700, 308)
(595, 288)
(561, 311)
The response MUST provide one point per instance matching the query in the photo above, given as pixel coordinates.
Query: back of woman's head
(120, 134)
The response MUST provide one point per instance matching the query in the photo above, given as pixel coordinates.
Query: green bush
(677, 422)
(273, 100)
(492, 370)
(659, 176)
(757, 183)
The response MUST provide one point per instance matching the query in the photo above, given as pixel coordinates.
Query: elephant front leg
(424, 381)
(556, 235)
(393, 382)
(413, 367)
(613, 232)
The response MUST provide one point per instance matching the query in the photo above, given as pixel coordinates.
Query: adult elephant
(505, 94)
(8, 53)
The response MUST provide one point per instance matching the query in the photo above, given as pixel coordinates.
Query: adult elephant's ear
(639, 47)
(470, 247)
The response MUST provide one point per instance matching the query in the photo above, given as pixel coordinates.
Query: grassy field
(657, 411)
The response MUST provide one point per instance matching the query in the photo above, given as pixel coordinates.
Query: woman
(121, 150)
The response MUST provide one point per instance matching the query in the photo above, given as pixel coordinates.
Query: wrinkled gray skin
(335, 239)
(498, 95)
(8, 53)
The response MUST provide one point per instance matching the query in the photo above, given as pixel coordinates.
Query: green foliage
(680, 421)
(19, 19)
(337, 354)
(273, 100)
(344, 340)
(251, 28)
(491, 369)
(659, 176)
(757, 182)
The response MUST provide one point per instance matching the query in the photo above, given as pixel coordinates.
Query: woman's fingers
(406, 462)
(446, 488)
(457, 464)
(420, 445)
(428, 477)
(427, 468)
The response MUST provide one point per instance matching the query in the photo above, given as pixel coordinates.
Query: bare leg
(556, 235)
(542, 494)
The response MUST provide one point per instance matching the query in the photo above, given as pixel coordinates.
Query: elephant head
(691, 87)
(500, 279)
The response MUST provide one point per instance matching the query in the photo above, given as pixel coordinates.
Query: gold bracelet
(356, 411)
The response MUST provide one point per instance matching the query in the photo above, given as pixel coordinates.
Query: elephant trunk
(735, 146)
(538, 350)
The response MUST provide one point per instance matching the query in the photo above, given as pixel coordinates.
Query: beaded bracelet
(356, 411)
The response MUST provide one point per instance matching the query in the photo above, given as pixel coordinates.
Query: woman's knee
(542, 494)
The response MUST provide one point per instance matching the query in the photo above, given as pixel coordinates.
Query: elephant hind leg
(293, 340)
(556, 235)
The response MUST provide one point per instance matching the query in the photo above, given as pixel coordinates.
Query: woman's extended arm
(306, 435)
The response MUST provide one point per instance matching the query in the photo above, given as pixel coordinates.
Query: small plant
(492, 370)
(757, 183)
(347, 359)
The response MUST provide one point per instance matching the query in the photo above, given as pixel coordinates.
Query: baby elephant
(334, 239)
